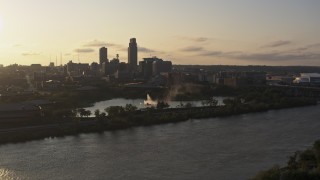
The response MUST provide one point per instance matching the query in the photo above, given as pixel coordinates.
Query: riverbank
(302, 165)
(224, 148)
(145, 117)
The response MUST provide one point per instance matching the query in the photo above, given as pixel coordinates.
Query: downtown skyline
(245, 32)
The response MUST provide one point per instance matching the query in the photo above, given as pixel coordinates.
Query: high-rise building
(103, 55)
(133, 54)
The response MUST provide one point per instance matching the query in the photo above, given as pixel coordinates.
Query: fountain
(150, 101)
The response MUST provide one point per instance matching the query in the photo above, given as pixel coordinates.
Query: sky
(208, 32)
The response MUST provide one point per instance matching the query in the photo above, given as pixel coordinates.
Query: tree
(115, 111)
(210, 102)
(188, 105)
(307, 160)
(162, 105)
(103, 115)
(82, 112)
(130, 108)
(87, 113)
(97, 113)
(181, 105)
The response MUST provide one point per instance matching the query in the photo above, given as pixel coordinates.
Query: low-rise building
(154, 66)
(240, 79)
(312, 79)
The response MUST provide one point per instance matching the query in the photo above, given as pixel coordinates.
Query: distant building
(312, 79)
(35, 67)
(39, 76)
(160, 66)
(154, 66)
(51, 65)
(109, 68)
(240, 79)
(94, 68)
(133, 55)
(205, 77)
(103, 55)
(77, 69)
(146, 67)
(123, 76)
(105, 68)
(279, 79)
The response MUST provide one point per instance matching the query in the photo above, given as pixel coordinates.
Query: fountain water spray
(150, 101)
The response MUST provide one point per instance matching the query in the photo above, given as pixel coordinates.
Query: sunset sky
(213, 32)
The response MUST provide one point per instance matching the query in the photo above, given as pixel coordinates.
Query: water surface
(139, 103)
(228, 148)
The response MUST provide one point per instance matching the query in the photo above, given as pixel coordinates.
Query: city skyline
(205, 32)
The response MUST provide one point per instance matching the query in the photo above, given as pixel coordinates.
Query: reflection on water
(140, 103)
(225, 148)
(6, 174)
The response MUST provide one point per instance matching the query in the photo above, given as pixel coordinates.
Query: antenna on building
(78, 57)
(60, 59)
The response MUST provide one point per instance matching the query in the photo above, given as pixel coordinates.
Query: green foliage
(97, 113)
(188, 105)
(114, 111)
(162, 105)
(271, 174)
(84, 113)
(130, 108)
(64, 113)
(303, 165)
(212, 102)
(307, 160)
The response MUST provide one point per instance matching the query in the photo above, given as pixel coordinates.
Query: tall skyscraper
(103, 55)
(133, 54)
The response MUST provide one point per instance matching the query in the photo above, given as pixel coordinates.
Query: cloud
(264, 56)
(17, 45)
(123, 49)
(212, 53)
(306, 48)
(277, 44)
(192, 49)
(300, 49)
(30, 54)
(146, 50)
(200, 39)
(95, 43)
(313, 45)
(84, 50)
(194, 39)
(278, 56)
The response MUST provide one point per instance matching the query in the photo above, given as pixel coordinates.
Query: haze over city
(209, 32)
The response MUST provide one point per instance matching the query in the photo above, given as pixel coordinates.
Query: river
(139, 103)
(228, 148)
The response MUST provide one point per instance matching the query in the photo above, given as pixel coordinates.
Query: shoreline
(150, 117)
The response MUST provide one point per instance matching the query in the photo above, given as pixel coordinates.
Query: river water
(139, 103)
(229, 148)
